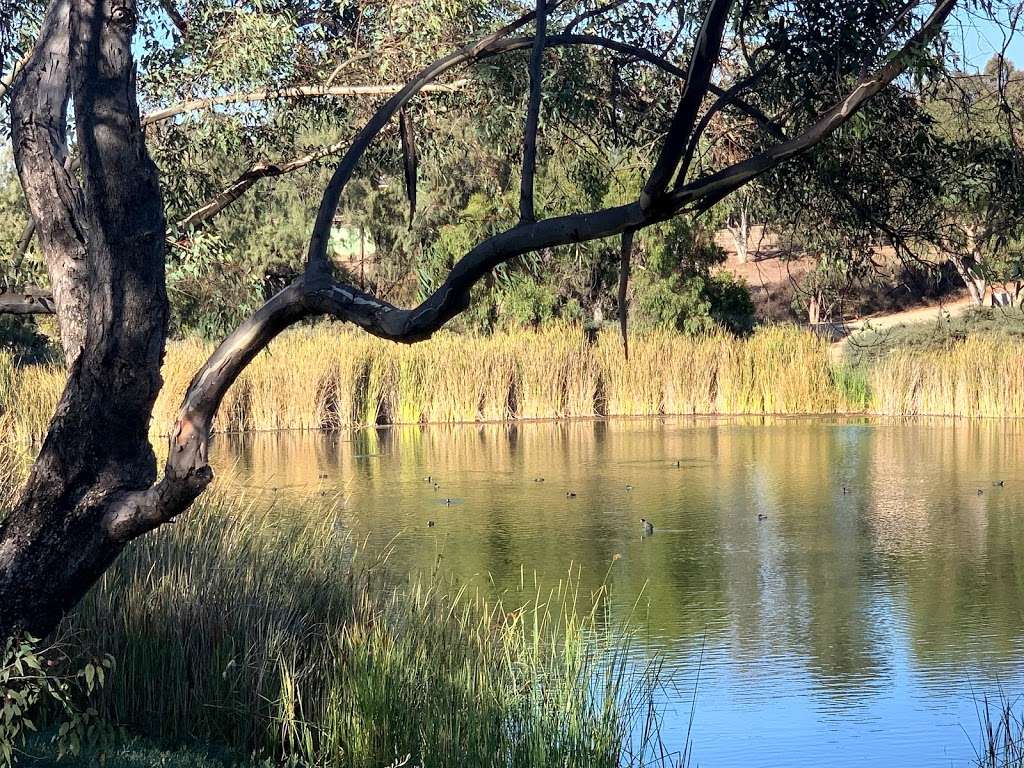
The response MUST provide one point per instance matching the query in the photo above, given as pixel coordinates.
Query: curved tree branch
(705, 55)
(297, 92)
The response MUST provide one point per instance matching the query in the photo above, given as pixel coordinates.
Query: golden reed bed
(332, 378)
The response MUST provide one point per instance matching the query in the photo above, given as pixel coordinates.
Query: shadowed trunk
(103, 241)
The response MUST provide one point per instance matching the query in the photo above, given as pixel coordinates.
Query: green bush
(42, 683)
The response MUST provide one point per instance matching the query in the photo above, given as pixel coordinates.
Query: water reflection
(854, 584)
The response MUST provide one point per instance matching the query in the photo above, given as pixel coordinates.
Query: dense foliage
(930, 169)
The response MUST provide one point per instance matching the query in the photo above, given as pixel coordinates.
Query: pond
(849, 590)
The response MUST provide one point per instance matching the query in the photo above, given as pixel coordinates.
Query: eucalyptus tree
(102, 225)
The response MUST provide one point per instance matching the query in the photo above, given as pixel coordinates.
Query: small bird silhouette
(998, 483)
(430, 523)
(570, 494)
(427, 478)
(629, 487)
(447, 502)
(538, 479)
(648, 526)
(980, 491)
(762, 516)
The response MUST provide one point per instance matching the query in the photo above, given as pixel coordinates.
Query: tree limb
(246, 180)
(729, 96)
(591, 14)
(710, 189)
(31, 301)
(625, 254)
(302, 91)
(175, 16)
(526, 205)
(39, 100)
(705, 55)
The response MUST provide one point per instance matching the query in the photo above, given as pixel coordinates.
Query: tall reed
(979, 376)
(328, 377)
(267, 632)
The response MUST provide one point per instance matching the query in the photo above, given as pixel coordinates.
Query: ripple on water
(847, 629)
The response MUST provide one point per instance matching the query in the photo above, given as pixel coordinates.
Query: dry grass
(980, 376)
(331, 378)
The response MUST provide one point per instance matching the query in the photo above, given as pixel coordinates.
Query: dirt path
(880, 322)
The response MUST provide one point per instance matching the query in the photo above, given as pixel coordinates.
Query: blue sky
(977, 38)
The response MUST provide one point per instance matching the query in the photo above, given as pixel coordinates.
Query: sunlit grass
(328, 377)
(979, 376)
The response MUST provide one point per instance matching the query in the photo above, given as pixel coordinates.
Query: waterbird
(845, 490)
(629, 487)
(323, 477)
(980, 491)
(447, 502)
(427, 478)
(998, 483)
(570, 494)
(436, 486)
(648, 526)
(762, 516)
(678, 463)
(538, 479)
(430, 523)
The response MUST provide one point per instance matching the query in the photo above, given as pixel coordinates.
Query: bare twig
(245, 181)
(591, 14)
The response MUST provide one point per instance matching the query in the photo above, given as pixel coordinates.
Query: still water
(848, 589)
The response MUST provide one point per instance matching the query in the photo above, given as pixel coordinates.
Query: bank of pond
(324, 377)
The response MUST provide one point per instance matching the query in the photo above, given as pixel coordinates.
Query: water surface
(849, 589)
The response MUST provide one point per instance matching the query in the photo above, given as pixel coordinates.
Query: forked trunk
(103, 241)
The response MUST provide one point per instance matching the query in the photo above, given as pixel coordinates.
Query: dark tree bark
(93, 487)
(104, 246)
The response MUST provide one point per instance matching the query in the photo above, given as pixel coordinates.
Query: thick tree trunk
(976, 284)
(104, 247)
